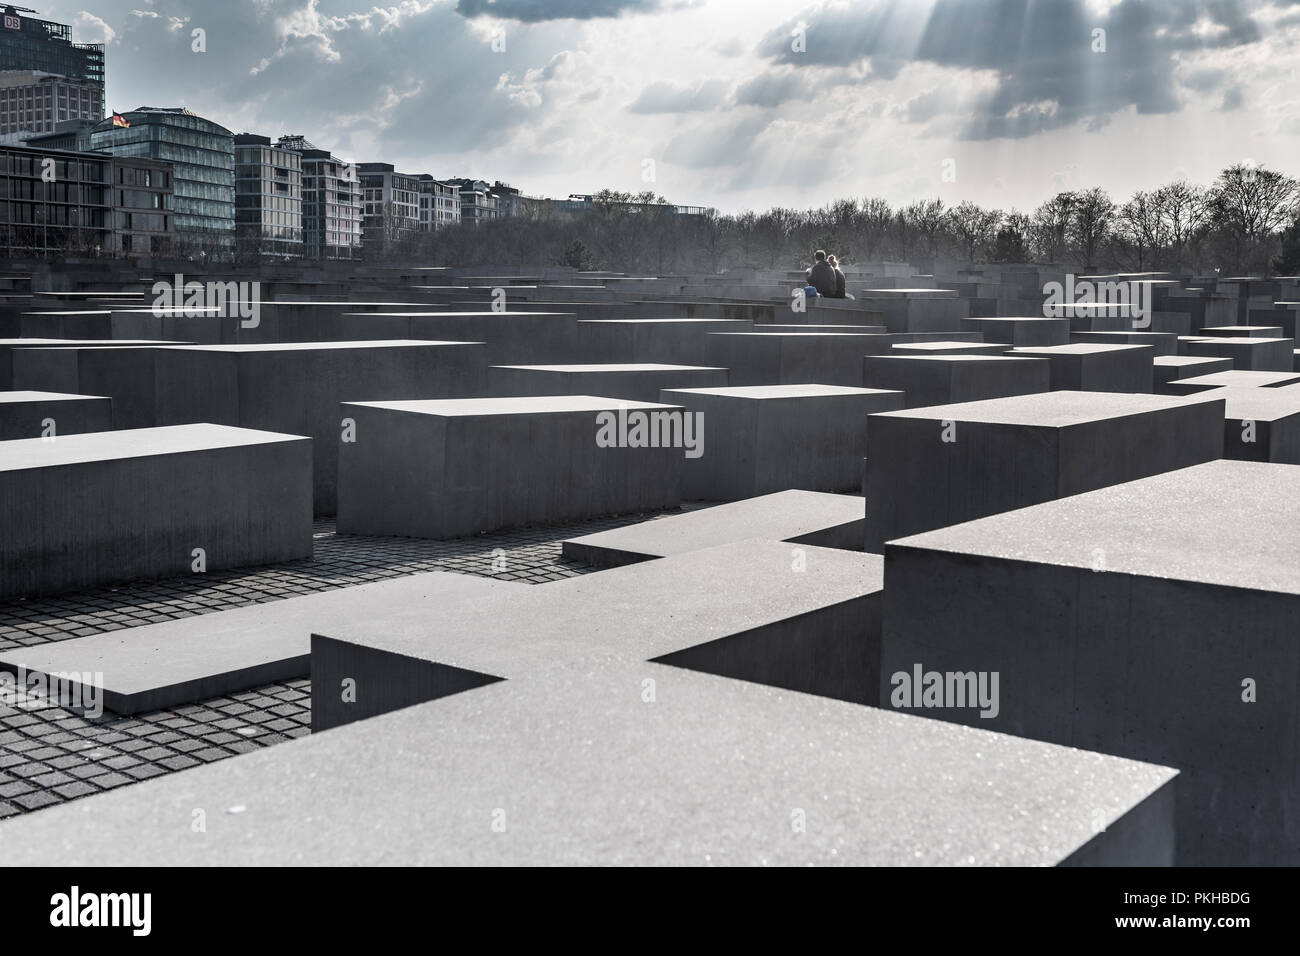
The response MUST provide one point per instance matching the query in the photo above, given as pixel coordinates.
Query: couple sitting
(825, 276)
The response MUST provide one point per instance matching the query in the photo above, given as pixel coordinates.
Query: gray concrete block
(441, 469)
(297, 387)
(760, 439)
(1133, 620)
(1096, 367)
(1022, 330)
(535, 756)
(111, 506)
(670, 341)
(942, 347)
(1162, 343)
(225, 652)
(794, 616)
(1260, 424)
(1232, 377)
(1244, 331)
(800, 517)
(1248, 354)
(33, 414)
(793, 358)
(945, 379)
(934, 467)
(634, 382)
(8, 347)
(1170, 368)
(124, 374)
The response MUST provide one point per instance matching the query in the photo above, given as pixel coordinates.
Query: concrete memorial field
(525, 565)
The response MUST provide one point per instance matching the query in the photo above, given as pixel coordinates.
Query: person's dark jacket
(822, 276)
(839, 284)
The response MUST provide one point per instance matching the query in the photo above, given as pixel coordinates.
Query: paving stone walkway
(49, 755)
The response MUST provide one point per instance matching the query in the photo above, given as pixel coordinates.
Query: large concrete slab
(1162, 343)
(933, 467)
(197, 658)
(1155, 619)
(634, 382)
(795, 616)
(1096, 367)
(1260, 424)
(670, 341)
(1248, 354)
(1021, 330)
(1237, 378)
(801, 517)
(945, 379)
(111, 506)
(9, 346)
(1170, 368)
(441, 469)
(790, 358)
(297, 387)
(766, 438)
(35, 414)
(580, 770)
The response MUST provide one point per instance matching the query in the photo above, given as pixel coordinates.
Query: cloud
(670, 98)
(1057, 64)
(91, 29)
(537, 11)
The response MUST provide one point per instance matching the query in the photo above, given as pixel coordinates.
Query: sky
(736, 104)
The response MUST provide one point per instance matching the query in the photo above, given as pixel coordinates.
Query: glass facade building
(331, 202)
(69, 215)
(202, 158)
(29, 43)
(268, 197)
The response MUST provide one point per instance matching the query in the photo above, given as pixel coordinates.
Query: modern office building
(477, 203)
(141, 196)
(268, 198)
(391, 203)
(439, 204)
(54, 202)
(202, 158)
(39, 102)
(331, 202)
(29, 43)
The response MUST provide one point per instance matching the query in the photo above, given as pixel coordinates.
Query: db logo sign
(12, 22)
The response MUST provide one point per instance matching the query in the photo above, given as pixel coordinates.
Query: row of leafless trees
(1240, 223)
(1247, 221)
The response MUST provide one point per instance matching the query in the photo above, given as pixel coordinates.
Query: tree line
(1246, 222)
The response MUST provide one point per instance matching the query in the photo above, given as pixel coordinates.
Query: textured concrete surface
(1096, 366)
(441, 469)
(670, 341)
(296, 388)
(1162, 343)
(109, 506)
(1248, 354)
(801, 517)
(933, 467)
(25, 414)
(793, 616)
(1232, 377)
(761, 439)
(1155, 620)
(1260, 424)
(579, 769)
(944, 379)
(1169, 368)
(1021, 330)
(634, 382)
(790, 358)
(180, 662)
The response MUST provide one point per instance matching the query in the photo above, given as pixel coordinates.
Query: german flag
(120, 120)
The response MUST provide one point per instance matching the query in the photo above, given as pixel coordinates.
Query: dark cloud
(1055, 63)
(773, 89)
